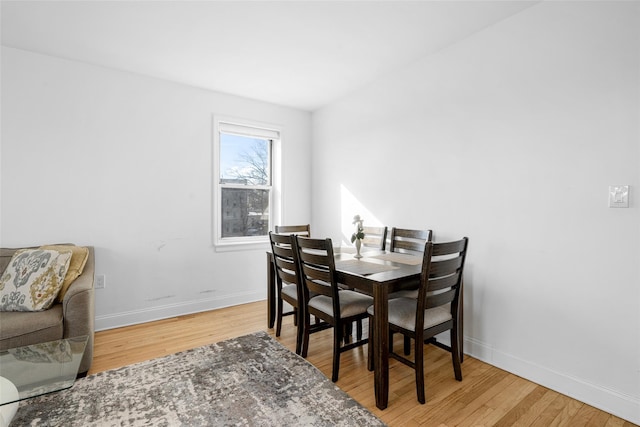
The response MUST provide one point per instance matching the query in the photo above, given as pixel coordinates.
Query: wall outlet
(100, 281)
(618, 196)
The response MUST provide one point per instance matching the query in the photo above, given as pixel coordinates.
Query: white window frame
(255, 129)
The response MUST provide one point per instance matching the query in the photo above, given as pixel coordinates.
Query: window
(245, 169)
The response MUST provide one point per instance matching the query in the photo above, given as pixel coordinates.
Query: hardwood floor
(487, 396)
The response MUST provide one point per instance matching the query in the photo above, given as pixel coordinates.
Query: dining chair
(374, 237)
(301, 230)
(288, 283)
(433, 312)
(410, 242)
(335, 307)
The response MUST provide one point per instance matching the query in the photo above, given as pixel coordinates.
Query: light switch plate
(101, 281)
(618, 196)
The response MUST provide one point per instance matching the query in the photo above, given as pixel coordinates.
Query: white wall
(512, 137)
(123, 162)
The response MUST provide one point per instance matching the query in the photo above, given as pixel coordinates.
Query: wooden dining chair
(335, 307)
(375, 237)
(288, 283)
(433, 312)
(301, 230)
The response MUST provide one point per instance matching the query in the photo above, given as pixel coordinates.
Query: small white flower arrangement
(359, 234)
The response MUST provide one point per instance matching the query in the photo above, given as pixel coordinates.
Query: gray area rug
(247, 381)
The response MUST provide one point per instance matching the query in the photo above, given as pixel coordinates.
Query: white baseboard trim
(619, 404)
(134, 317)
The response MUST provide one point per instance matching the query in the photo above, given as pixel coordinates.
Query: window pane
(244, 212)
(244, 160)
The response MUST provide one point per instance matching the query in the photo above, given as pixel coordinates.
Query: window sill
(242, 246)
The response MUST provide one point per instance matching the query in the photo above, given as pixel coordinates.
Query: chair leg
(370, 345)
(419, 361)
(359, 330)
(279, 318)
(455, 353)
(407, 345)
(305, 335)
(348, 332)
(337, 339)
(299, 331)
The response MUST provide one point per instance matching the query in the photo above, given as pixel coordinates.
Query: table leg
(381, 345)
(461, 322)
(271, 292)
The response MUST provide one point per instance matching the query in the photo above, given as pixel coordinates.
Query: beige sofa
(71, 318)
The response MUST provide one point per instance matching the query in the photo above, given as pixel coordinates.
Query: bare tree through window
(246, 185)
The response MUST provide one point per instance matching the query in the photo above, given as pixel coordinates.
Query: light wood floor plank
(529, 417)
(583, 415)
(486, 396)
(522, 407)
(564, 418)
(477, 408)
(465, 399)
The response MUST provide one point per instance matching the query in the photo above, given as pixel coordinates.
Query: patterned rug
(247, 381)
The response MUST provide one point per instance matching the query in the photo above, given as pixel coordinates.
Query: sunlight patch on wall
(350, 206)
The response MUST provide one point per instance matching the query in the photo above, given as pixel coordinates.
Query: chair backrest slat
(316, 274)
(318, 246)
(409, 241)
(443, 298)
(439, 283)
(445, 267)
(375, 237)
(282, 251)
(301, 230)
(407, 245)
(442, 249)
(318, 287)
(314, 258)
(283, 263)
(287, 272)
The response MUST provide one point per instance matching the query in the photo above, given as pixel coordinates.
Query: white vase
(358, 246)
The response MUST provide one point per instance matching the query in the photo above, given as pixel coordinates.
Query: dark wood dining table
(377, 274)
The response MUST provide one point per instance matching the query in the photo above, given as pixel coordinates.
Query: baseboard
(611, 401)
(134, 317)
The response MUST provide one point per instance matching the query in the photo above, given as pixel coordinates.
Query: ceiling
(301, 54)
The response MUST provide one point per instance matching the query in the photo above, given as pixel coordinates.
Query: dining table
(379, 274)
